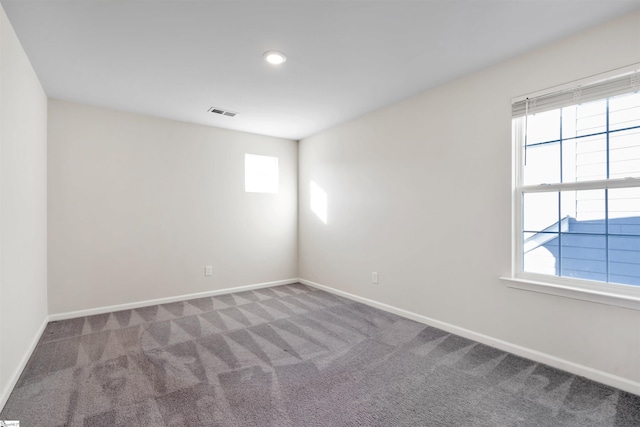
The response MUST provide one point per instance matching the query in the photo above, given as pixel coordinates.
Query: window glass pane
(569, 121)
(624, 239)
(584, 210)
(589, 160)
(540, 212)
(583, 240)
(624, 154)
(542, 164)
(591, 117)
(584, 256)
(624, 259)
(541, 258)
(624, 212)
(543, 127)
(624, 111)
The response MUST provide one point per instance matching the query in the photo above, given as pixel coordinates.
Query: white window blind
(578, 95)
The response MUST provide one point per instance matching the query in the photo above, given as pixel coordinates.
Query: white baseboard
(537, 356)
(138, 304)
(4, 394)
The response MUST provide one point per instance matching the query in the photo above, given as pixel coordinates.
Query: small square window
(261, 174)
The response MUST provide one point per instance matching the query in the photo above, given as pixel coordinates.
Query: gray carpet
(291, 356)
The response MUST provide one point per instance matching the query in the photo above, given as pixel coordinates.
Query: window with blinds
(577, 184)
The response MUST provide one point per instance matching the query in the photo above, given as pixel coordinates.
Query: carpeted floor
(291, 356)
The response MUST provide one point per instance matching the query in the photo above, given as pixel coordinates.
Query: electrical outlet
(208, 270)
(374, 278)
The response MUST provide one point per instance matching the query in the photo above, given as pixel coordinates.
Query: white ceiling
(175, 59)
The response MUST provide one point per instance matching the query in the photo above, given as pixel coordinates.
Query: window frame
(622, 295)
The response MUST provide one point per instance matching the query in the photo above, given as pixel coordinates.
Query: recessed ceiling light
(274, 57)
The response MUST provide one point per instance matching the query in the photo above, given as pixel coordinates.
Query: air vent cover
(222, 112)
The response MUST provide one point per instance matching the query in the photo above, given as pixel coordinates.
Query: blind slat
(616, 86)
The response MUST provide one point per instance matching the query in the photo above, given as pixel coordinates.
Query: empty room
(320, 213)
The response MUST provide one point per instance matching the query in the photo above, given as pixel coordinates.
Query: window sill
(630, 298)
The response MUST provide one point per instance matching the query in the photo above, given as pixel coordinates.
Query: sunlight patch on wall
(261, 174)
(319, 201)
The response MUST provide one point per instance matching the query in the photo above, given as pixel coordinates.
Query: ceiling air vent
(222, 112)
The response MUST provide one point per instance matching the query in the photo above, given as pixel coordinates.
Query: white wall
(420, 192)
(138, 206)
(23, 208)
